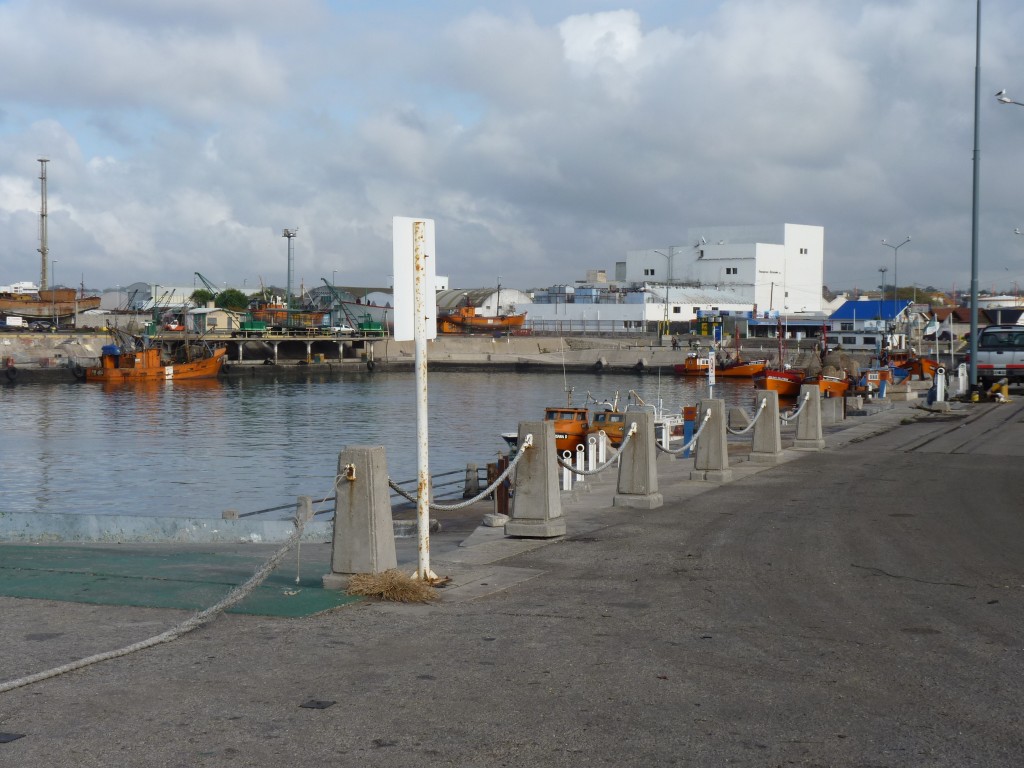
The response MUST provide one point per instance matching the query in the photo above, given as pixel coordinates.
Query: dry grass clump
(393, 585)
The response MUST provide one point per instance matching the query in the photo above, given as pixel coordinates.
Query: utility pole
(44, 247)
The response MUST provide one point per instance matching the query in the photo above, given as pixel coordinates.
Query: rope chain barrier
(749, 426)
(693, 440)
(527, 443)
(787, 419)
(614, 455)
(195, 621)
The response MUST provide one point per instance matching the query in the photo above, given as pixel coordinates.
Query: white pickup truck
(1001, 354)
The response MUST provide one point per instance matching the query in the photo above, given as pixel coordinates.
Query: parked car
(1001, 354)
(40, 325)
(342, 328)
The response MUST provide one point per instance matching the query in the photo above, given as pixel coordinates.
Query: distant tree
(200, 297)
(232, 298)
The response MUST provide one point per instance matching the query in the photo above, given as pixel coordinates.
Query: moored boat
(786, 382)
(829, 386)
(571, 426)
(695, 365)
(121, 365)
(466, 320)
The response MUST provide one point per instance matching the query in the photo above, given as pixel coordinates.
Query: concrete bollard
(537, 506)
(364, 536)
(808, 423)
(472, 486)
(833, 410)
(638, 471)
(711, 461)
(767, 443)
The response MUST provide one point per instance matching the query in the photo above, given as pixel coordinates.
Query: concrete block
(809, 436)
(364, 538)
(638, 470)
(537, 504)
(766, 446)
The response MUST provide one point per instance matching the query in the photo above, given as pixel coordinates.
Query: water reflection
(199, 447)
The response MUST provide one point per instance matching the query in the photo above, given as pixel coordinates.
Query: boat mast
(44, 248)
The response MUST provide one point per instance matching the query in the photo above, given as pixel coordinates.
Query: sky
(545, 139)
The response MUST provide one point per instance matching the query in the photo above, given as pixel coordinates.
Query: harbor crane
(209, 286)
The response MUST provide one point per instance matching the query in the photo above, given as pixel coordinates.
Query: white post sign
(406, 273)
(416, 319)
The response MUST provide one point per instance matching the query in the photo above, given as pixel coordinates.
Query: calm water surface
(197, 448)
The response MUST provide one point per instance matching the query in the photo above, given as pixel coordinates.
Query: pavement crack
(912, 578)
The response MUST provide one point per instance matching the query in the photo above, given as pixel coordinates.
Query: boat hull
(696, 366)
(830, 386)
(786, 383)
(146, 366)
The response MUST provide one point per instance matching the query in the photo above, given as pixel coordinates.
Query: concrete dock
(859, 605)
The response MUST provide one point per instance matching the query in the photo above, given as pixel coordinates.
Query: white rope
(614, 455)
(787, 419)
(693, 441)
(236, 595)
(751, 424)
(527, 443)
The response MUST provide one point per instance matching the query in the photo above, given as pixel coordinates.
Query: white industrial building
(778, 268)
(760, 271)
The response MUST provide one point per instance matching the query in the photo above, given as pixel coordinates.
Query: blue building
(865, 324)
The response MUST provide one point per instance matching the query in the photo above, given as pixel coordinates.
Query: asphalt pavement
(856, 606)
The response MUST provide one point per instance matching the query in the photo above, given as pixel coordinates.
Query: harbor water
(194, 449)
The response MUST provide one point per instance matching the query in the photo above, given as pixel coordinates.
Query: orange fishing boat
(694, 365)
(782, 379)
(571, 427)
(612, 423)
(922, 367)
(829, 386)
(147, 365)
(466, 320)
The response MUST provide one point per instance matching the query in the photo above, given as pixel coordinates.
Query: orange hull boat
(741, 369)
(786, 383)
(146, 365)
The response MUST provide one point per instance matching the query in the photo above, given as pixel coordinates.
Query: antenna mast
(44, 248)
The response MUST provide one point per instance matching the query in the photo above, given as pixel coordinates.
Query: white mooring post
(711, 461)
(638, 473)
(536, 510)
(364, 536)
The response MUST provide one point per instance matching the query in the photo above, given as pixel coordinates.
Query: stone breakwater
(50, 357)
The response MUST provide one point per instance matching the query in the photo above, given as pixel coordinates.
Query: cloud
(184, 135)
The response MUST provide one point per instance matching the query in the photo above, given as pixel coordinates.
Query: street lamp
(1002, 98)
(895, 264)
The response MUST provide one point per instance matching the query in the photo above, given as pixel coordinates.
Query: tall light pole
(895, 264)
(663, 326)
(976, 184)
(291, 234)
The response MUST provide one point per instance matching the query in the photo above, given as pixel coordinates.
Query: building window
(677, 310)
(649, 272)
(803, 251)
(869, 340)
(851, 340)
(732, 270)
(846, 326)
(696, 310)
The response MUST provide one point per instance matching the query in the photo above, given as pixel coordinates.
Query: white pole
(423, 571)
